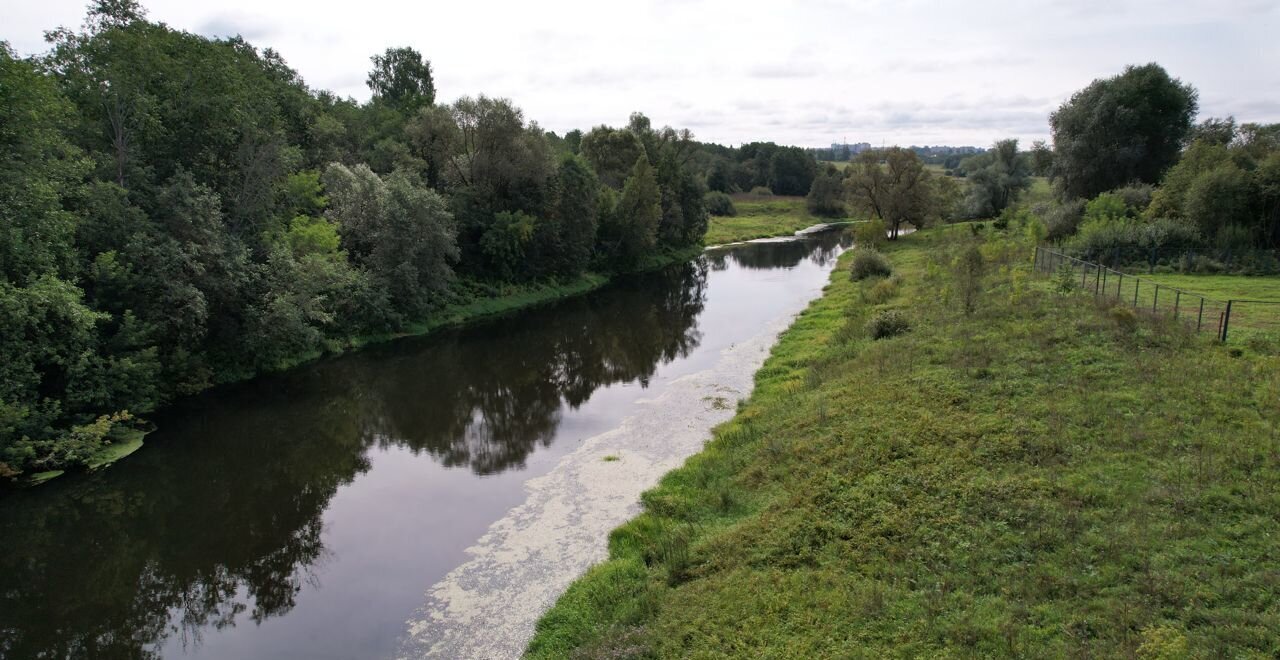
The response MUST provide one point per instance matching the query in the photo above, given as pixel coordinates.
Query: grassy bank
(1040, 478)
(762, 217)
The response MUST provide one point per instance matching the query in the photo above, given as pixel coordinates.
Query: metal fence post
(1177, 300)
(1200, 318)
(1226, 321)
(1136, 283)
(1155, 300)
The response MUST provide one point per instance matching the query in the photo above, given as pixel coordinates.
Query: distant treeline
(178, 211)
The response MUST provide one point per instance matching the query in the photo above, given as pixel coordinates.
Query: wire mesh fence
(1224, 318)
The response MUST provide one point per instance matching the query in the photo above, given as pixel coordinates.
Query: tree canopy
(178, 211)
(1126, 129)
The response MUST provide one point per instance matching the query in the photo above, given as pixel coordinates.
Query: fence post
(1119, 285)
(1097, 279)
(1136, 283)
(1177, 300)
(1155, 300)
(1226, 321)
(1200, 318)
(1104, 280)
(1037, 259)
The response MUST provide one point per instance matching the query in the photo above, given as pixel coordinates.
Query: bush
(1099, 236)
(718, 203)
(871, 234)
(1136, 197)
(869, 263)
(889, 323)
(1063, 220)
(762, 191)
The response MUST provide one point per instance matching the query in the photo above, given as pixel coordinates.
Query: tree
(434, 139)
(996, 178)
(39, 170)
(572, 222)
(612, 153)
(894, 185)
(402, 79)
(826, 194)
(791, 171)
(1041, 158)
(1221, 132)
(1125, 129)
(639, 211)
(401, 232)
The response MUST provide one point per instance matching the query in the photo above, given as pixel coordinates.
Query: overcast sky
(801, 72)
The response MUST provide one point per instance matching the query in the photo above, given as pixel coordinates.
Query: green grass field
(1040, 192)
(1223, 287)
(1045, 477)
(761, 217)
(1250, 322)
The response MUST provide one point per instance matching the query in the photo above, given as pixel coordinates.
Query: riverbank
(761, 217)
(475, 305)
(1038, 478)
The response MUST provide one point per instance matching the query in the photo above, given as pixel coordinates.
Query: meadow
(1043, 476)
(762, 216)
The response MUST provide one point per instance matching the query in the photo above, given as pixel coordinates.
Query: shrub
(869, 263)
(1098, 236)
(718, 203)
(871, 234)
(889, 323)
(1106, 206)
(1136, 197)
(1063, 220)
(762, 191)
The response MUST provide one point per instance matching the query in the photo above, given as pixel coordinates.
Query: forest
(178, 212)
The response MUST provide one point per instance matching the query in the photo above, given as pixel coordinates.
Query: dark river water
(304, 515)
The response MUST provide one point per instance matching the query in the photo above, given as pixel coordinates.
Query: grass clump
(879, 291)
(1022, 480)
(869, 263)
(889, 323)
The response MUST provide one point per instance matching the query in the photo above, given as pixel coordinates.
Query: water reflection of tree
(486, 399)
(221, 517)
(820, 248)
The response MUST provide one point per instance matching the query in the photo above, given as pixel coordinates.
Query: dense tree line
(780, 169)
(181, 211)
(1134, 172)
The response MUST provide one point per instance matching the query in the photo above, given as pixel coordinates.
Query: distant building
(843, 151)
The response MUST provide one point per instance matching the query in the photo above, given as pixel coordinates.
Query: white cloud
(882, 71)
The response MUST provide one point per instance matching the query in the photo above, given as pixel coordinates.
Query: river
(343, 509)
